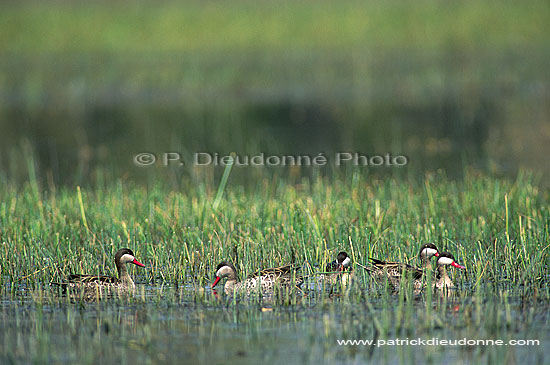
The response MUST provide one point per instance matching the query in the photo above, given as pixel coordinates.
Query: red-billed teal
(443, 281)
(264, 281)
(338, 271)
(90, 286)
(394, 271)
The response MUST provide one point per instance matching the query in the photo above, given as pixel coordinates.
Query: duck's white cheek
(346, 262)
(127, 258)
(429, 252)
(221, 272)
(445, 261)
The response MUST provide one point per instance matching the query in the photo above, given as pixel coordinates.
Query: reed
(181, 238)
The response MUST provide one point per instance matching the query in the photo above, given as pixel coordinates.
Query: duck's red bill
(458, 266)
(136, 262)
(437, 254)
(216, 281)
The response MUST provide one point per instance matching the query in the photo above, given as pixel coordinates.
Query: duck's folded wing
(383, 265)
(278, 271)
(414, 272)
(331, 267)
(99, 279)
(397, 268)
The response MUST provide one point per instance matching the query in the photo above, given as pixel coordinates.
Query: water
(191, 325)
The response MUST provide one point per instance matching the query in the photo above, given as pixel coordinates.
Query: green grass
(110, 79)
(36, 27)
(180, 237)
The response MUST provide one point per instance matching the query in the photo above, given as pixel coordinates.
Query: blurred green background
(452, 85)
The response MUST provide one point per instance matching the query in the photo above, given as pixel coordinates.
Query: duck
(91, 285)
(443, 281)
(394, 271)
(338, 271)
(265, 280)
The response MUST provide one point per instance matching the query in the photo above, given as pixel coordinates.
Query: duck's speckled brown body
(264, 281)
(393, 272)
